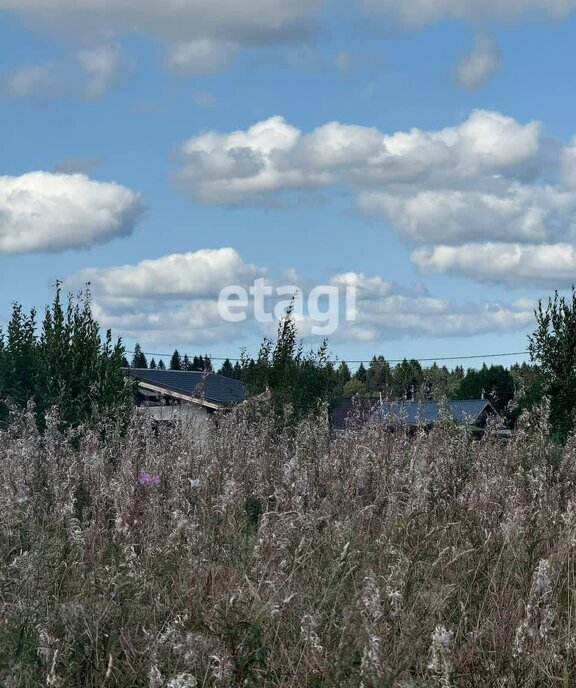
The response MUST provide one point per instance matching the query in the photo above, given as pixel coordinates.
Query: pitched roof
(424, 412)
(209, 386)
(350, 409)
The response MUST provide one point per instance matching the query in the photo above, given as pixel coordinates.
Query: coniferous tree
(361, 374)
(161, 365)
(176, 361)
(186, 363)
(379, 376)
(407, 380)
(139, 359)
(343, 375)
(494, 383)
(227, 369)
(68, 364)
(153, 364)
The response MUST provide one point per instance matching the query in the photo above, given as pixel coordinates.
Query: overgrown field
(244, 557)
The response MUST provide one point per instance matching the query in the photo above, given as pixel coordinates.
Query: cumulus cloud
(516, 212)
(489, 179)
(175, 298)
(170, 299)
(416, 13)
(196, 274)
(273, 158)
(475, 68)
(48, 212)
(550, 265)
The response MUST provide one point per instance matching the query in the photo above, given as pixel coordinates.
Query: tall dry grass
(261, 558)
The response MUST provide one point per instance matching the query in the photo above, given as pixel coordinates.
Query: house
(169, 395)
(471, 412)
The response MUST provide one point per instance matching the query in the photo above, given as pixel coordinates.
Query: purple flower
(144, 478)
(149, 479)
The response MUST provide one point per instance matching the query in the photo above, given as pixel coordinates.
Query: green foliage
(407, 380)
(529, 387)
(139, 359)
(553, 347)
(66, 364)
(494, 383)
(379, 378)
(227, 369)
(176, 361)
(296, 379)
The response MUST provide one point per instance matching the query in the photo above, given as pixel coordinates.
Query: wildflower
(149, 479)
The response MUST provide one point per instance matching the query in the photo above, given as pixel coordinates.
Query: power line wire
(389, 360)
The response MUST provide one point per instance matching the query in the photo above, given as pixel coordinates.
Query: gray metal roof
(424, 412)
(209, 386)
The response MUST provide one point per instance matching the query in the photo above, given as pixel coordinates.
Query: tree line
(64, 360)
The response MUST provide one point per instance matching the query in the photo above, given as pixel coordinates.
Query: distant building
(472, 412)
(170, 395)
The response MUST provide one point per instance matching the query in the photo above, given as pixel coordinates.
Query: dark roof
(350, 409)
(209, 386)
(424, 412)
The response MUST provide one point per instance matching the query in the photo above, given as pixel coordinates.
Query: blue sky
(164, 151)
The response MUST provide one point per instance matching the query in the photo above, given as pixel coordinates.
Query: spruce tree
(153, 364)
(176, 361)
(68, 364)
(227, 369)
(139, 359)
(161, 365)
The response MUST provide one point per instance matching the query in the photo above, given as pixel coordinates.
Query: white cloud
(551, 265)
(102, 66)
(515, 212)
(43, 211)
(475, 68)
(38, 82)
(201, 56)
(273, 158)
(415, 13)
(198, 33)
(198, 274)
(87, 74)
(175, 299)
(489, 179)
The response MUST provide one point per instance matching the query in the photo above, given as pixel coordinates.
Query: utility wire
(388, 360)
